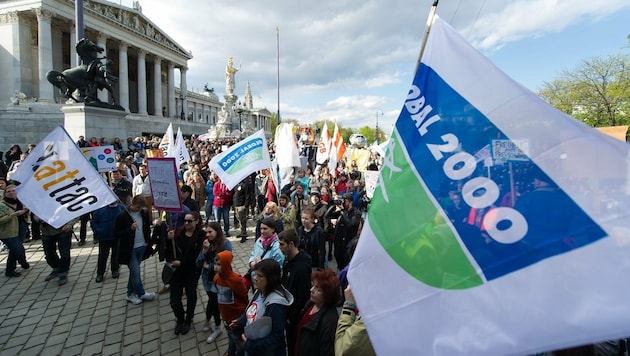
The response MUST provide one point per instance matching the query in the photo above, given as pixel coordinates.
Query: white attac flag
(242, 159)
(549, 273)
(57, 182)
(323, 148)
(167, 145)
(181, 152)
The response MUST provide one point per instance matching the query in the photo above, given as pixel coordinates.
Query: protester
(271, 299)
(287, 212)
(267, 246)
(221, 205)
(133, 229)
(214, 243)
(296, 278)
(351, 337)
(240, 200)
(181, 251)
(9, 231)
(142, 186)
(318, 322)
(232, 298)
(312, 238)
(270, 212)
(121, 187)
(346, 228)
(209, 197)
(54, 239)
(103, 226)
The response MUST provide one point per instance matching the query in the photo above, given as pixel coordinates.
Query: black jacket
(126, 235)
(296, 278)
(317, 337)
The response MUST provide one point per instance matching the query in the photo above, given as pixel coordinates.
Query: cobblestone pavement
(88, 318)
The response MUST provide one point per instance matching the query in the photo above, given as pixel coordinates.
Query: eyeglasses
(188, 221)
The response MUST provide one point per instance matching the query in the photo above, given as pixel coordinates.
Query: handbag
(168, 270)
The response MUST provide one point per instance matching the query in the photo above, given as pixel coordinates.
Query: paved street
(88, 318)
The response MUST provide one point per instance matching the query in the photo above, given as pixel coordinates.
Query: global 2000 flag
(522, 250)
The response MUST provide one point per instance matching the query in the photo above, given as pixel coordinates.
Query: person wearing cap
(186, 195)
(319, 207)
(345, 228)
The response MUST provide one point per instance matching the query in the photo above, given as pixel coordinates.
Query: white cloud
(343, 58)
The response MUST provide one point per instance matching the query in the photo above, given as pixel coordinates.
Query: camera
(337, 202)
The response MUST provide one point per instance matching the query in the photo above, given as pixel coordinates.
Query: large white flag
(167, 144)
(181, 152)
(287, 152)
(242, 159)
(323, 148)
(57, 182)
(546, 274)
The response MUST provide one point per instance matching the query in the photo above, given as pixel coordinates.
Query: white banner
(57, 183)
(164, 187)
(242, 159)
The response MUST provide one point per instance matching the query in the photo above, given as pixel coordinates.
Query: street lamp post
(377, 134)
(239, 111)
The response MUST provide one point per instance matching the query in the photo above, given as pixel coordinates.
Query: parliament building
(37, 36)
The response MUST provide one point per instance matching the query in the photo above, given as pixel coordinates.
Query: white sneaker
(148, 296)
(215, 334)
(134, 299)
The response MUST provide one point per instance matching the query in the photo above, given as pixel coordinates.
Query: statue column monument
(226, 123)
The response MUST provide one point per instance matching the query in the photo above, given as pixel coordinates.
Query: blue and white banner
(525, 256)
(242, 159)
(57, 182)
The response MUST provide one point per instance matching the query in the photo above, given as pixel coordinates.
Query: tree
(596, 92)
(370, 134)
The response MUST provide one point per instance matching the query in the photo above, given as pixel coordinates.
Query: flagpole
(278, 68)
(426, 31)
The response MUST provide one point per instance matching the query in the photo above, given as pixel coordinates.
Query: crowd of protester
(291, 301)
(315, 207)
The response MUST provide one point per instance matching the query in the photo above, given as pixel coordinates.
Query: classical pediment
(133, 20)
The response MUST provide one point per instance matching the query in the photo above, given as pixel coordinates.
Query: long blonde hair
(274, 208)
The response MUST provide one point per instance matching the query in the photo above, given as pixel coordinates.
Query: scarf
(18, 205)
(266, 242)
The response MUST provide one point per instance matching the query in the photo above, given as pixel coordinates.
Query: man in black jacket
(239, 201)
(296, 278)
(346, 228)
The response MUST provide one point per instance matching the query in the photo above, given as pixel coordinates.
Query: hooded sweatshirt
(275, 306)
(232, 293)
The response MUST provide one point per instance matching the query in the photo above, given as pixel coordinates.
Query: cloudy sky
(352, 60)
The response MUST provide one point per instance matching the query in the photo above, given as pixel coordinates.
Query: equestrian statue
(83, 82)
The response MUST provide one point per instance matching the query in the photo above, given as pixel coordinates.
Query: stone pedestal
(89, 121)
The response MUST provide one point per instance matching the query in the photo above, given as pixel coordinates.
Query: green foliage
(596, 92)
(370, 134)
(273, 119)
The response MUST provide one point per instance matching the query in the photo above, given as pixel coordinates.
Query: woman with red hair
(318, 321)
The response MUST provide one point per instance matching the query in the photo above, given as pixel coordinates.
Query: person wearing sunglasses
(182, 248)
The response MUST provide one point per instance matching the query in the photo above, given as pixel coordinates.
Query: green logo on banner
(251, 156)
(413, 231)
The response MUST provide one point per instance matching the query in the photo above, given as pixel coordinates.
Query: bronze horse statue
(87, 78)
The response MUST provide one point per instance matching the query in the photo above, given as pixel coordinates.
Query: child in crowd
(232, 298)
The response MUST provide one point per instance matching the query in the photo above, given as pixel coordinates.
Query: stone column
(184, 91)
(73, 46)
(123, 76)
(142, 82)
(44, 51)
(101, 41)
(157, 86)
(171, 90)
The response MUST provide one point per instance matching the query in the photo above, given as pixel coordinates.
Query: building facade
(37, 36)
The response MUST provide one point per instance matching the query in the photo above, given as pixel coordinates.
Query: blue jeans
(16, 253)
(60, 263)
(223, 213)
(134, 285)
(209, 209)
